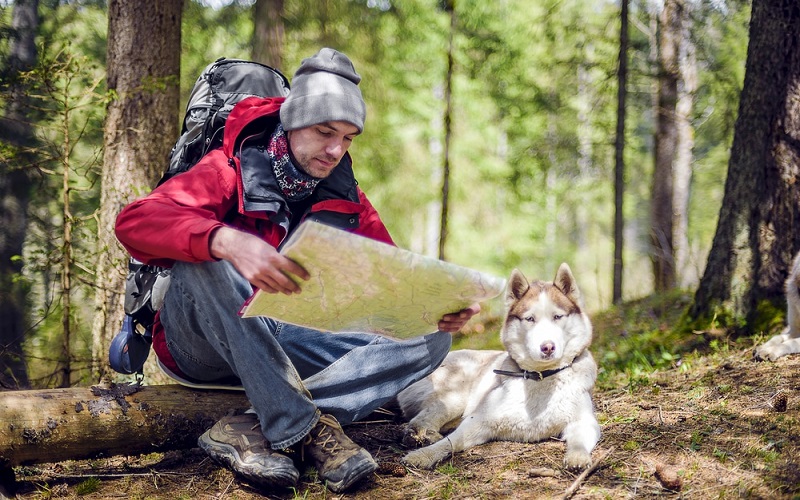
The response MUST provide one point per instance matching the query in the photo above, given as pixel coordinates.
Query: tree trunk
(619, 154)
(268, 33)
(143, 67)
(682, 172)
(448, 130)
(759, 223)
(53, 425)
(15, 186)
(666, 142)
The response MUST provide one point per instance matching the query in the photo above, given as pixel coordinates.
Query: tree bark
(619, 155)
(268, 33)
(759, 223)
(450, 8)
(143, 67)
(666, 142)
(53, 425)
(682, 172)
(15, 192)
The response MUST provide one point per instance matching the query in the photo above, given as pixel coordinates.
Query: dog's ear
(565, 282)
(517, 286)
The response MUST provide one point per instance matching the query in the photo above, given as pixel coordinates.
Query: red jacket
(175, 221)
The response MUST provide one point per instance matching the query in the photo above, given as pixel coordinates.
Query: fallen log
(53, 425)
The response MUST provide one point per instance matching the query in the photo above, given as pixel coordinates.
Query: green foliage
(636, 338)
(65, 103)
(721, 318)
(208, 34)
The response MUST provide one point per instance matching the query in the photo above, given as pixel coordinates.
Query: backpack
(219, 87)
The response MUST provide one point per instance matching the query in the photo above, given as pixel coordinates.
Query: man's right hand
(257, 260)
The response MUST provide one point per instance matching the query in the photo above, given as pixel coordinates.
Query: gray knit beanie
(324, 88)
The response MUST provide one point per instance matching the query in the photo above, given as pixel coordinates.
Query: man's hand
(455, 321)
(257, 260)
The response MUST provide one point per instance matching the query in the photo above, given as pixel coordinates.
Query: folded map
(361, 285)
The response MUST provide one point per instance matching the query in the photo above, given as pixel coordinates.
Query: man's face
(319, 148)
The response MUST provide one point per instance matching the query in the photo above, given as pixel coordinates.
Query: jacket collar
(243, 114)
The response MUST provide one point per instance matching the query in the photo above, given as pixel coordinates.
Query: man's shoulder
(212, 169)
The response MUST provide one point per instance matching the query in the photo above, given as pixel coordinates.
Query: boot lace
(325, 438)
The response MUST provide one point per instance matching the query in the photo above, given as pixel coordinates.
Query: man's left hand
(455, 321)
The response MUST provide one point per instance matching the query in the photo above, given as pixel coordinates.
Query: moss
(769, 316)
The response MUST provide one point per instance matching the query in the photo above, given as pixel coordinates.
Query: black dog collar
(531, 375)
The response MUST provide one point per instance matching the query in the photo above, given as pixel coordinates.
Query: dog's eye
(530, 319)
(557, 317)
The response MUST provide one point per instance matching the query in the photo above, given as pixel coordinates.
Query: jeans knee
(439, 344)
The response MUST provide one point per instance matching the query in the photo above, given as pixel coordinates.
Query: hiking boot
(339, 461)
(237, 442)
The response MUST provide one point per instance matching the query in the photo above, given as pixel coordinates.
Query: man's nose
(335, 148)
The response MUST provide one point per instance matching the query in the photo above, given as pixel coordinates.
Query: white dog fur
(545, 332)
(788, 341)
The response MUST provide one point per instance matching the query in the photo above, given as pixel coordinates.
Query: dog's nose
(548, 348)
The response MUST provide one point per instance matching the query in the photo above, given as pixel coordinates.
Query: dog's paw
(769, 352)
(577, 460)
(414, 437)
(421, 459)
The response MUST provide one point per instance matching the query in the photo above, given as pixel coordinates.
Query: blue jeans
(289, 373)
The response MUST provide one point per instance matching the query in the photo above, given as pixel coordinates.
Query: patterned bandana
(295, 184)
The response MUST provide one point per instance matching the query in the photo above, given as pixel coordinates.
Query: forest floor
(711, 423)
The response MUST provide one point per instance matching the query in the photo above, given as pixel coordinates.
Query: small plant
(447, 469)
(696, 393)
(297, 495)
(45, 492)
(90, 485)
(766, 454)
(446, 491)
(631, 446)
(718, 346)
(696, 440)
(635, 381)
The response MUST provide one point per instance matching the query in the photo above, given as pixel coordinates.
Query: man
(218, 226)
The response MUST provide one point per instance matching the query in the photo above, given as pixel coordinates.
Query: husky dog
(539, 387)
(788, 341)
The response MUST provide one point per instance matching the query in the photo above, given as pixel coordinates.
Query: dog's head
(545, 327)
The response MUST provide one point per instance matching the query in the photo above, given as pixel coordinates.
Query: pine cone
(395, 469)
(779, 402)
(668, 477)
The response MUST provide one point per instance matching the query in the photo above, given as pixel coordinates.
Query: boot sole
(227, 456)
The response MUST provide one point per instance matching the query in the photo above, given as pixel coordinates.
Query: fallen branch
(87, 422)
(580, 479)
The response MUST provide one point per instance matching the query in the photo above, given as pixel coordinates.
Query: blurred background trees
(509, 108)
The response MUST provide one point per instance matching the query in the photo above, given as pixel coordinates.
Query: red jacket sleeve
(175, 221)
(371, 224)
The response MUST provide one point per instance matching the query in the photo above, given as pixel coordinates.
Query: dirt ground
(724, 427)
